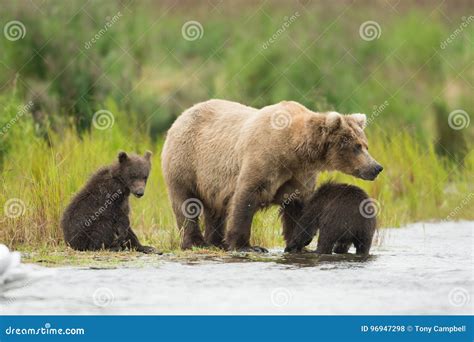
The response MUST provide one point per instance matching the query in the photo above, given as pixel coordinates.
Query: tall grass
(415, 185)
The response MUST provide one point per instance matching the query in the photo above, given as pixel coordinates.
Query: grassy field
(416, 184)
(145, 69)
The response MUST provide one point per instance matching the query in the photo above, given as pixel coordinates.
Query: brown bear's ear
(148, 155)
(333, 121)
(122, 156)
(359, 119)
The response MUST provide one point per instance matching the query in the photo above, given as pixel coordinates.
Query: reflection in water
(312, 260)
(422, 269)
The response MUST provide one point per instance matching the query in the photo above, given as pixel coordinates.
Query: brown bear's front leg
(242, 208)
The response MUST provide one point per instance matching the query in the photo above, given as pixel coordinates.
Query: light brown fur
(237, 159)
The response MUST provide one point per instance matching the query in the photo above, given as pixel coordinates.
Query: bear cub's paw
(149, 250)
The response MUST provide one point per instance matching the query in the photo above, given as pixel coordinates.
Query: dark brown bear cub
(97, 217)
(344, 215)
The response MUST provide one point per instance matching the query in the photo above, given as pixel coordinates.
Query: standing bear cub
(97, 217)
(344, 215)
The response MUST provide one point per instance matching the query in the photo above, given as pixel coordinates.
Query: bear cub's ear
(359, 119)
(122, 156)
(148, 155)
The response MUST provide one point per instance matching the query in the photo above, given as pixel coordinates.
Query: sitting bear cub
(343, 214)
(97, 217)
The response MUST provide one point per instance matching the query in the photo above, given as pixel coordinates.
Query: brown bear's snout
(378, 168)
(372, 172)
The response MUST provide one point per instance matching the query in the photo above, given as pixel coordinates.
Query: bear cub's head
(133, 171)
(347, 146)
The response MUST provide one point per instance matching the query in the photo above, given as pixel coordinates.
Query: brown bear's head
(345, 146)
(134, 170)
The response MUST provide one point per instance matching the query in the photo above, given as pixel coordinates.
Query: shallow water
(422, 269)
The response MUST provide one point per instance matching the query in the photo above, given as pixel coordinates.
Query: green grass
(415, 185)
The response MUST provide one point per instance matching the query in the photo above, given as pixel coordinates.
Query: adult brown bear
(229, 160)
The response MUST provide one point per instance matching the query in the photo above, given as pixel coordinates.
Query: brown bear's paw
(253, 249)
(149, 250)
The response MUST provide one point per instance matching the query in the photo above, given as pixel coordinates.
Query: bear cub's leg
(326, 241)
(342, 247)
(364, 243)
(131, 242)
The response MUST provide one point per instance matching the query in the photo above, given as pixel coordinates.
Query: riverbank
(425, 268)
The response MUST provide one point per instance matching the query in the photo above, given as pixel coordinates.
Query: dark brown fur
(97, 217)
(335, 210)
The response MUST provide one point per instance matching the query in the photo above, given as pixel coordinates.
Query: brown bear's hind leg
(187, 209)
(215, 227)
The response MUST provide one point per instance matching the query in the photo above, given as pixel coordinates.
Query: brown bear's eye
(358, 148)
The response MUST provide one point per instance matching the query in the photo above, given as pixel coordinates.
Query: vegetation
(143, 71)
